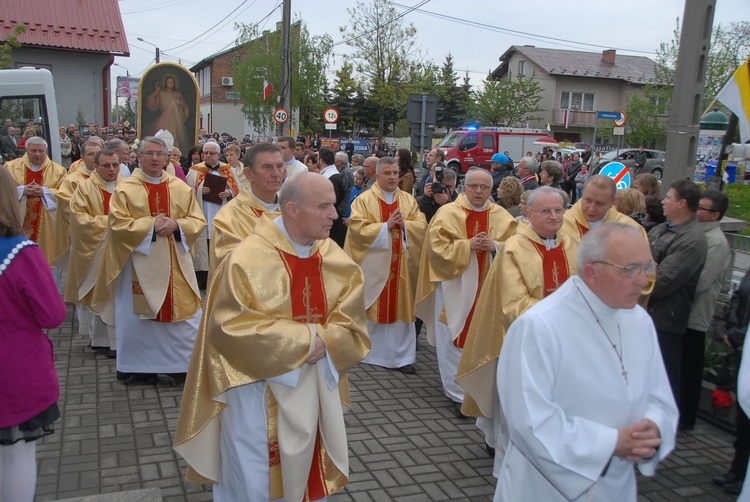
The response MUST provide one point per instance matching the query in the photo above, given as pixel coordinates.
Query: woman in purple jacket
(29, 303)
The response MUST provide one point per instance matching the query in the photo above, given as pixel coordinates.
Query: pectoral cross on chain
(624, 372)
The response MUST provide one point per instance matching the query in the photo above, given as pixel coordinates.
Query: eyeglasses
(154, 154)
(549, 212)
(707, 209)
(632, 270)
(210, 153)
(476, 186)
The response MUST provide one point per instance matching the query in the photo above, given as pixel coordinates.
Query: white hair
(534, 194)
(343, 157)
(593, 246)
(36, 140)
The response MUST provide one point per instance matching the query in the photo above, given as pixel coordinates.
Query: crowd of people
(259, 275)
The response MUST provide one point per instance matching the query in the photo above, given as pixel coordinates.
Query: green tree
(508, 102)
(645, 123)
(451, 110)
(385, 50)
(260, 59)
(343, 92)
(11, 42)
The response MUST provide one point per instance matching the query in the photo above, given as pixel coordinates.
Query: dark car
(654, 161)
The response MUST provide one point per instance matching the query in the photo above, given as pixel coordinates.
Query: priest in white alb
(582, 383)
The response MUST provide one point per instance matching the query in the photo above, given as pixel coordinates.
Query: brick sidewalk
(405, 443)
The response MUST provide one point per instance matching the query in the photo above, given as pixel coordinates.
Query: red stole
(388, 299)
(476, 223)
(581, 229)
(33, 207)
(227, 173)
(554, 265)
(309, 305)
(105, 199)
(158, 202)
(256, 212)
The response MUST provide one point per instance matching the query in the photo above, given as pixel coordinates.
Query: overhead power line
(394, 18)
(508, 31)
(196, 41)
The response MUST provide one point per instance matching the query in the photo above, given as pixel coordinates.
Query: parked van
(28, 94)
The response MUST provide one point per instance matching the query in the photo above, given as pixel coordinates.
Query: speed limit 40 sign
(331, 115)
(281, 115)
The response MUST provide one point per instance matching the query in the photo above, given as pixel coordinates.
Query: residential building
(76, 43)
(576, 85)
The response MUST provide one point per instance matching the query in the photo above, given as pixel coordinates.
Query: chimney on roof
(608, 57)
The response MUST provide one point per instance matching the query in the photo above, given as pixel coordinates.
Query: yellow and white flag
(736, 96)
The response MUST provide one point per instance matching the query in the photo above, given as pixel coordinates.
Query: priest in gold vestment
(596, 206)
(386, 230)
(153, 220)
(262, 411)
(264, 170)
(38, 179)
(461, 242)
(533, 263)
(89, 210)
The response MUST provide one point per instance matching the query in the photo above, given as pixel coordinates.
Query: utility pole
(687, 94)
(286, 74)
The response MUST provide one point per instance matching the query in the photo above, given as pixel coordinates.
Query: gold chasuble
(235, 221)
(390, 274)
(523, 274)
(576, 226)
(75, 177)
(224, 169)
(89, 209)
(38, 223)
(164, 285)
(251, 332)
(447, 259)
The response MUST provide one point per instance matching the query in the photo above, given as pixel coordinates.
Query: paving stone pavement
(405, 443)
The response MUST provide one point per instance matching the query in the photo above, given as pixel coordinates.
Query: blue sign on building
(608, 115)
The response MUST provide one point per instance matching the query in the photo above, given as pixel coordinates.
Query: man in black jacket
(678, 247)
(429, 202)
(327, 163)
(639, 160)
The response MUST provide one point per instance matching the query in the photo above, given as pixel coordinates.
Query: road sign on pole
(619, 173)
(331, 126)
(619, 122)
(331, 115)
(281, 115)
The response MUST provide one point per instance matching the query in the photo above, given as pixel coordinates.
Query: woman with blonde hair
(631, 202)
(509, 195)
(29, 388)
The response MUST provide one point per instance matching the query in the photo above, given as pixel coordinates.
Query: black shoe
(123, 376)
(490, 450)
(110, 354)
(457, 410)
(143, 379)
(725, 479)
(407, 370)
(99, 349)
(734, 487)
(179, 378)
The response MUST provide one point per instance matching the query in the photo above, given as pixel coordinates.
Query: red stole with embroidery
(476, 223)
(388, 299)
(158, 203)
(34, 208)
(554, 265)
(309, 305)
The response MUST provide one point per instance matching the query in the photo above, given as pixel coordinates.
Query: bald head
(308, 207)
(602, 183)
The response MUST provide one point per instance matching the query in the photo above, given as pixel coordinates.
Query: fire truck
(473, 147)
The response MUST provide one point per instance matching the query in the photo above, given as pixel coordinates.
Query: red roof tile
(86, 25)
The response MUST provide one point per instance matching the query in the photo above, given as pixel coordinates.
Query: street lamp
(154, 45)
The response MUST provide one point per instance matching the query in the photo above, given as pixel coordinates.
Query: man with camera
(439, 192)
(432, 158)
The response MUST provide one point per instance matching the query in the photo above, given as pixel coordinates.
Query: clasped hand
(33, 189)
(481, 242)
(164, 226)
(638, 442)
(395, 219)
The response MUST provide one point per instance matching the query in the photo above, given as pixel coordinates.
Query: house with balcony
(576, 85)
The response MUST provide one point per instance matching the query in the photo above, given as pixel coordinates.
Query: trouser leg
(671, 352)
(691, 375)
